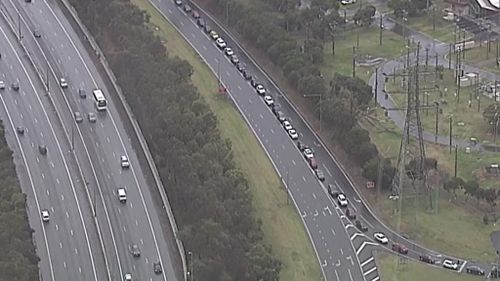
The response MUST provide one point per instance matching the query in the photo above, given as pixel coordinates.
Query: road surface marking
(370, 271)
(338, 263)
(261, 116)
(64, 264)
(328, 171)
(182, 24)
(239, 87)
(367, 261)
(314, 195)
(272, 131)
(293, 162)
(57, 227)
(204, 48)
(328, 209)
(67, 215)
(363, 245)
(43, 176)
(79, 269)
(304, 214)
(97, 144)
(76, 251)
(58, 181)
(227, 73)
(356, 235)
(37, 160)
(62, 197)
(341, 251)
(142, 242)
(350, 259)
(376, 278)
(350, 275)
(316, 213)
(136, 222)
(304, 179)
(60, 245)
(15, 101)
(349, 226)
(48, 193)
(52, 164)
(337, 275)
(169, 11)
(462, 267)
(21, 115)
(71, 231)
(107, 139)
(333, 232)
(324, 263)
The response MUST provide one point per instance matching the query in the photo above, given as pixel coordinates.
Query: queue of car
(307, 151)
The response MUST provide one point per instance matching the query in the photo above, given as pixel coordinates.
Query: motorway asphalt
(67, 245)
(98, 146)
(327, 226)
(338, 253)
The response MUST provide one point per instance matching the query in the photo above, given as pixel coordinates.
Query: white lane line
(337, 275)
(304, 179)
(181, 23)
(376, 278)
(328, 171)
(370, 271)
(356, 235)
(333, 232)
(350, 274)
(293, 162)
(462, 267)
(314, 195)
(367, 261)
(239, 88)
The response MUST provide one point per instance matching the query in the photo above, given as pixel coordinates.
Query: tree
(470, 188)
(453, 184)
(490, 196)
(492, 114)
(364, 16)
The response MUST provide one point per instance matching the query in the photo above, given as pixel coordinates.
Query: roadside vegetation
(281, 224)
(210, 196)
(19, 261)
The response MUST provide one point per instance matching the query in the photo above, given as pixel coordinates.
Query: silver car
(78, 117)
(92, 118)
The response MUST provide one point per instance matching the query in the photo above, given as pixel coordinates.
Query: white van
(122, 195)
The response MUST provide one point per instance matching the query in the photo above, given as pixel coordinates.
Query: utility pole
(426, 56)
(382, 28)
(433, 19)
(19, 25)
(437, 122)
(449, 58)
(463, 45)
(353, 61)
(451, 130)
(376, 86)
(456, 160)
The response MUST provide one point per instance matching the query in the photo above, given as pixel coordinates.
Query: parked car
(474, 269)
(449, 264)
(400, 248)
(342, 200)
(246, 74)
(214, 34)
(240, 66)
(2, 85)
(37, 33)
(312, 162)
(300, 145)
(308, 153)
(254, 82)
(228, 51)
(187, 8)
(196, 14)
(350, 213)
(200, 22)
(20, 130)
(128, 277)
(361, 226)
(293, 134)
(427, 259)
(268, 100)
(260, 90)
(235, 59)
(220, 43)
(207, 29)
(320, 175)
(178, 2)
(381, 238)
(287, 125)
(333, 191)
(281, 116)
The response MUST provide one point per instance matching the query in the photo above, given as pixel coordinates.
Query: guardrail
(144, 146)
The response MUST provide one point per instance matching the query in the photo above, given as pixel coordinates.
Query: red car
(313, 163)
(400, 248)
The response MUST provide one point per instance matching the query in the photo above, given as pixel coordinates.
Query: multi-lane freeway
(90, 231)
(344, 252)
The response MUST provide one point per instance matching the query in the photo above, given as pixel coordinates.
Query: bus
(100, 100)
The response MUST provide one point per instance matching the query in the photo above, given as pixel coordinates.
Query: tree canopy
(208, 194)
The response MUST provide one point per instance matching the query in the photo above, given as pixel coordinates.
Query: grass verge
(392, 269)
(280, 222)
(453, 221)
(369, 45)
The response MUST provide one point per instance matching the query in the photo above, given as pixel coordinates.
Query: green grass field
(449, 226)
(391, 268)
(280, 222)
(467, 120)
(484, 57)
(392, 46)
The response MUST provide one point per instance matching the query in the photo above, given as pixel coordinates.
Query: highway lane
(53, 185)
(100, 147)
(364, 244)
(320, 214)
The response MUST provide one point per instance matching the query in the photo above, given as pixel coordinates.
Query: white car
(128, 277)
(308, 153)
(293, 134)
(268, 100)
(287, 125)
(229, 52)
(450, 264)
(45, 215)
(220, 43)
(342, 200)
(124, 162)
(380, 237)
(347, 2)
(2, 85)
(63, 83)
(260, 90)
